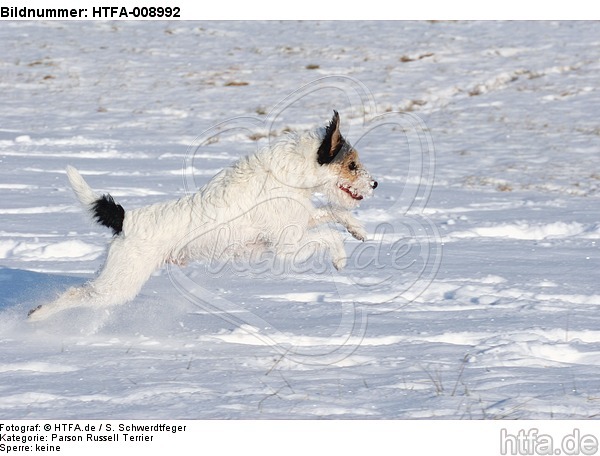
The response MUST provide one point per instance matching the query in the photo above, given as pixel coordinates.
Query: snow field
(481, 300)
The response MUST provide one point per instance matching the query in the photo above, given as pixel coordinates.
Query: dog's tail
(103, 208)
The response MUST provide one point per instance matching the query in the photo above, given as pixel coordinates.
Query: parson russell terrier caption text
(15, 438)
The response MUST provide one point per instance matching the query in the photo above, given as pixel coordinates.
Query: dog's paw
(33, 311)
(38, 313)
(339, 263)
(358, 232)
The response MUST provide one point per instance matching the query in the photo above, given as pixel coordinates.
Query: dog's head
(352, 181)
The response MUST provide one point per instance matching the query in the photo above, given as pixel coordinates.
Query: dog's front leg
(333, 242)
(354, 227)
(312, 242)
(329, 214)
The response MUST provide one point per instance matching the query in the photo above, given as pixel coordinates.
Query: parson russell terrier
(262, 202)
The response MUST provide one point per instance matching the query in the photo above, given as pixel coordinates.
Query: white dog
(263, 201)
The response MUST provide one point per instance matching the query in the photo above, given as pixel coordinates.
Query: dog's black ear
(332, 142)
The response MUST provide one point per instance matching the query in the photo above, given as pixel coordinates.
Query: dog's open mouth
(351, 191)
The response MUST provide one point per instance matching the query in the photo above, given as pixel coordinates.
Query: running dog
(263, 201)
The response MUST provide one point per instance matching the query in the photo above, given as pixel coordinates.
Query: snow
(476, 297)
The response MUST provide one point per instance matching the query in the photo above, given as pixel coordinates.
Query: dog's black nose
(374, 184)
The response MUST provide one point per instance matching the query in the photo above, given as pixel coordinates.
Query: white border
(302, 438)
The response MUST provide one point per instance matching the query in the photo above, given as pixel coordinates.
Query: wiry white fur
(263, 201)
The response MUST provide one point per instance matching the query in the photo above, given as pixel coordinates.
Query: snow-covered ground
(477, 296)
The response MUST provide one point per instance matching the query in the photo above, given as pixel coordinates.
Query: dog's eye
(352, 166)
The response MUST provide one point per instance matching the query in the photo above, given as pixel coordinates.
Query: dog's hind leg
(73, 297)
(125, 271)
(127, 268)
